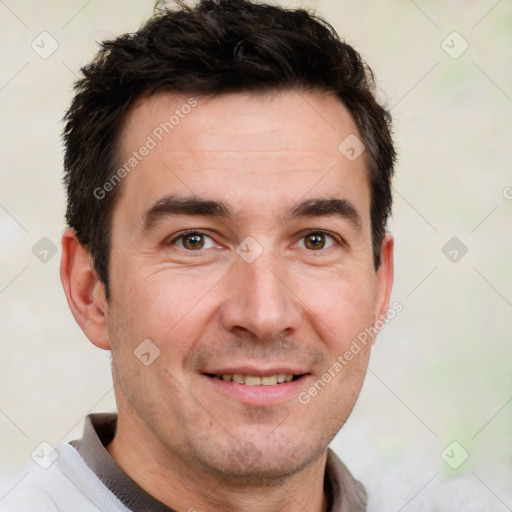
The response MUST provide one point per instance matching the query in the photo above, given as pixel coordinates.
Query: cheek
(344, 308)
(170, 310)
(158, 301)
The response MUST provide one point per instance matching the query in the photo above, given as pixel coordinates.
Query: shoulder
(29, 500)
(63, 483)
(31, 494)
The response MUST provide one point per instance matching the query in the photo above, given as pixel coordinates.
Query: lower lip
(259, 395)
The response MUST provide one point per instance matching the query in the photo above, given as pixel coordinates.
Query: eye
(317, 240)
(193, 241)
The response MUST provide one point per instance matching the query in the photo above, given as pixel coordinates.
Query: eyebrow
(335, 207)
(169, 206)
(174, 205)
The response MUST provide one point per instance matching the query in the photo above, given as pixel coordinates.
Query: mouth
(255, 385)
(256, 380)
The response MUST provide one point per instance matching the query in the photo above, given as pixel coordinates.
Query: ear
(84, 291)
(384, 278)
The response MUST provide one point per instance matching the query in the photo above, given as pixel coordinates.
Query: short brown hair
(216, 47)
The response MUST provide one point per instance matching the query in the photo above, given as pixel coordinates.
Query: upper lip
(256, 372)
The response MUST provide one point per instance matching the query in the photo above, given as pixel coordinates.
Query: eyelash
(336, 239)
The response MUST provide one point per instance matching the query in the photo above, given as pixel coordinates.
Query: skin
(181, 436)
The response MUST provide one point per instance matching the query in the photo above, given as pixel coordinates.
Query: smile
(267, 388)
(254, 380)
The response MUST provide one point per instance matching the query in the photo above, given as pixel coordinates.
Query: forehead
(294, 120)
(258, 148)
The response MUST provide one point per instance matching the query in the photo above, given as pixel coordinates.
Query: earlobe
(84, 291)
(384, 282)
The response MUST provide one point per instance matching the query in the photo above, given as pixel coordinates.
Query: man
(228, 176)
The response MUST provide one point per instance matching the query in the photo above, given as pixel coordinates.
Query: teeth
(251, 380)
(268, 381)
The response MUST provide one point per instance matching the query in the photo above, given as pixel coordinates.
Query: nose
(260, 298)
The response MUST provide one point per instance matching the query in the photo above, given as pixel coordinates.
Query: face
(241, 249)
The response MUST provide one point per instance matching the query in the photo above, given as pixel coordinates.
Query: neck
(181, 485)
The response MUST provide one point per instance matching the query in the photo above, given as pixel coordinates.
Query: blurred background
(433, 426)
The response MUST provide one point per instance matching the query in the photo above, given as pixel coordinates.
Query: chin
(253, 465)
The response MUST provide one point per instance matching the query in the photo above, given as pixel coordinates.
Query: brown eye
(193, 241)
(317, 240)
